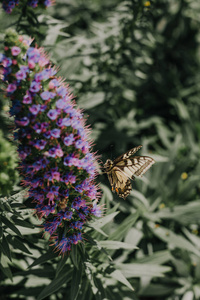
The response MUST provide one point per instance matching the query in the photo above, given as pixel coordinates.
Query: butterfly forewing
(127, 154)
(124, 168)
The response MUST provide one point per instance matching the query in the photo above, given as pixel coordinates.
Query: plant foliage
(134, 68)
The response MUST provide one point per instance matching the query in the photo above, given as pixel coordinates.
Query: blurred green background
(134, 67)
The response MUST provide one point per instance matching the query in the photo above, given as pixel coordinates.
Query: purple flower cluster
(9, 5)
(56, 162)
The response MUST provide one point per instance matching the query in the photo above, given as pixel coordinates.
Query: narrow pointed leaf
(103, 221)
(76, 280)
(132, 270)
(55, 285)
(43, 258)
(117, 274)
(16, 243)
(11, 226)
(6, 248)
(116, 245)
(124, 227)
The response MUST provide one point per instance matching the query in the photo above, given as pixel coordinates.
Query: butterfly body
(123, 168)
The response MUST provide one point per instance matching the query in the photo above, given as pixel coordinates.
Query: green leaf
(159, 257)
(173, 239)
(124, 227)
(91, 100)
(116, 245)
(139, 270)
(103, 221)
(5, 247)
(16, 243)
(23, 223)
(117, 274)
(55, 285)
(1, 231)
(99, 230)
(101, 291)
(5, 267)
(74, 255)
(76, 282)
(61, 264)
(43, 258)
(193, 238)
(11, 226)
(184, 214)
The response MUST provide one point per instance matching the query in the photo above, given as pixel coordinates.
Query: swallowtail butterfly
(123, 168)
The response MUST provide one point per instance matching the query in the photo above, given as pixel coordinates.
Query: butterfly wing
(119, 182)
(137, 165)
(127, 154)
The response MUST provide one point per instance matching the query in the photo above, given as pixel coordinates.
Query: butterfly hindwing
(120, 182)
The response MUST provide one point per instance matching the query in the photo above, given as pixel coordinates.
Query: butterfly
(123, 168)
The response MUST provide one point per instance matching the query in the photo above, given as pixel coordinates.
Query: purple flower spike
(56, 162)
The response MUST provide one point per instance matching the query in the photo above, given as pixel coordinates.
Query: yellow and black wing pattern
(123, 168)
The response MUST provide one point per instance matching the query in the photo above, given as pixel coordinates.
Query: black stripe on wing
(127, 154)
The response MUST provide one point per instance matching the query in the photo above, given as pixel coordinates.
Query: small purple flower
(33, 3)
(62, 91)
(76, 225)
(79, 144)
(7, 62)
(15, 50)
(68, 215)
(76, 238)
(40, 144)
(55, 133)
(61, 103)
(37, 127)
(59, 151)
(2, 56)
(66, 122)
(96, 210)
(24, 69)
(20, 75)
(45, 95)
(27, 99)
(11, 88)
(55, 175)
(52, 114)
(33, 54)
(68, 140)
(52, 152)
(53, 83)
(43, 107)
(22, 122)
(50, 227)
(34, 109)
(47, 134)
(35, 87)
